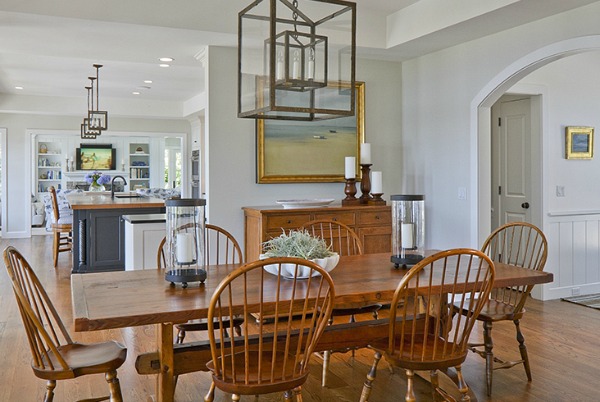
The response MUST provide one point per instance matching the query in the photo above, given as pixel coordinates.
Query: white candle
(279, 71)
(376, 183)
(311, 65)
(365, 153)
(408, 240)
(350, 171)
(296, 66)
(185, 248)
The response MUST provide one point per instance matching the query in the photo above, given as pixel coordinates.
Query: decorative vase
(288, 270)
(96, 187)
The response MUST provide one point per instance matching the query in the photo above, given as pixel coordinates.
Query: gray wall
(231, 182)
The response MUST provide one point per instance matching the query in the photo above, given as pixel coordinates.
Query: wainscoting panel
(573, 254)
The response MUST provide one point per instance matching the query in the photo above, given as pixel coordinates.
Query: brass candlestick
(365, 183)
(350, 191)
(377, 200)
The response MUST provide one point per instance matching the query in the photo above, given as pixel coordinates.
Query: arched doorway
(481, 114)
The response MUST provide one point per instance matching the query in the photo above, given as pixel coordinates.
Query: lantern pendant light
(296, 59)
(96, 120)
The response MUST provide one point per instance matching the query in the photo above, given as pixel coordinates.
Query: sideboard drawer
(289, 221)
(347, 218)
(375, 218)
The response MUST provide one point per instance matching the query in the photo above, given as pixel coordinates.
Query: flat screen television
(95, 157)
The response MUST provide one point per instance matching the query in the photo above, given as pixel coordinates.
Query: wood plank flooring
(562, 339)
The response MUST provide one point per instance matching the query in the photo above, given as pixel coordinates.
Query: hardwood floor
(562, 339)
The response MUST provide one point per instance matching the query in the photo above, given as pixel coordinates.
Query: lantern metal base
(184, 276)
(408, 261)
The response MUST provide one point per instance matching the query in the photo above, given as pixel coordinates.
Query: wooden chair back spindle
(45, 330)
(343, 240)
(275, 358)
(524, 245)
(338, 236)
(54, 354)
(220, 247)
(521, 244)
(442, 339)
(54, 200)
(425, 333)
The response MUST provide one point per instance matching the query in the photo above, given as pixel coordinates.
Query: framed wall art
(579, 142)
(309, 152)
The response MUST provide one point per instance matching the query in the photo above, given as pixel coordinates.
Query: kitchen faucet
(112, 185)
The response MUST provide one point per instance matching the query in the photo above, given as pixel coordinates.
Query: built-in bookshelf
(139, 165)
(49, 165)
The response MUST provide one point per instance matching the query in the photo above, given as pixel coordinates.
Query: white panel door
(515, 161)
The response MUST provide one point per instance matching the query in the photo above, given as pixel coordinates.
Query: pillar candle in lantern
(185, 248)
(408, 240)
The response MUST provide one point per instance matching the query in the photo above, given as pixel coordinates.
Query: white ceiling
(48, 47)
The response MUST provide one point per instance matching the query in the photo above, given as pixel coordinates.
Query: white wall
(572, 85)
(572, 223)
(17, 153)
(439, 89)
(231, 182)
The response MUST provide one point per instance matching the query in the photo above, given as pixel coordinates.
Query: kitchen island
(99, 229)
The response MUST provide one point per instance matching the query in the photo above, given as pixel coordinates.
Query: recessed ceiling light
(166, 59)
(18, 87)
(147, 81)
(135, 93)
(164, 65)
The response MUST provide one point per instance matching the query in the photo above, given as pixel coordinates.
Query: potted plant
(301, 244)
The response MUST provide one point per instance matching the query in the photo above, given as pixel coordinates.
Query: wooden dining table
(112, 300)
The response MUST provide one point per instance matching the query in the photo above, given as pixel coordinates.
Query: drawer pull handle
(289, 221)
(334, 219)
(376, 216)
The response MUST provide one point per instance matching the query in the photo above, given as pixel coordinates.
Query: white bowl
(287, 270)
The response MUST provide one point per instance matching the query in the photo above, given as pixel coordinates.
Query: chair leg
(523, 350)
(55, 246)
(366, 391)
(326, 357)
(115, 387)
(180, 336)
(210, 395)
(298, 394)
(50, 385)
(489, 355)
(410, 389)
(462, 385)
(435, 384)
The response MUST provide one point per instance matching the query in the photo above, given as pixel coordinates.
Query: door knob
(525, 205)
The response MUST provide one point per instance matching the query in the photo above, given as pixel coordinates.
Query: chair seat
(284, 374)
(202, 325)
(495, 310)
(428, 360)
(61, 227)
(85, 359)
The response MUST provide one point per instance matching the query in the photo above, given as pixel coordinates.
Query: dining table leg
(165, 384)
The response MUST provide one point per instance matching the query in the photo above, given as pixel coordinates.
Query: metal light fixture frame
(286, 88)
(87, 132)
(96, 120)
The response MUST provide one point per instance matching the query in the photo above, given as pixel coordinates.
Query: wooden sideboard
(373, 224)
